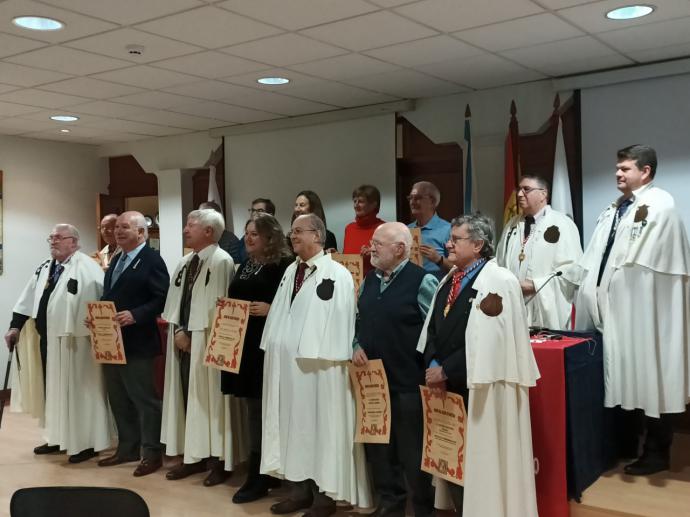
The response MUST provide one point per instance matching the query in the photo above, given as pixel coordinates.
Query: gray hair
(70, 228)
(140, 222)
(430, 190)
(481, 228)
(209, 218)
(317, 224)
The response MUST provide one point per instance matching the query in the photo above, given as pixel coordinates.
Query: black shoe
(84, 455)
(291, 505)
(46, 449)
(384, 510)
(254, 488)
(646, 466)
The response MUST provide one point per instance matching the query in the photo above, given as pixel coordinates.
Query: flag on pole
(512, 167)
(561, 199)
(213, 192)
(470, 204)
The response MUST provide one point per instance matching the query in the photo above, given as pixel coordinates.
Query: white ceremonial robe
(499, 462)
(76, 415)
(642, 305)
(553, 245)
(214, 424)
(308, 406)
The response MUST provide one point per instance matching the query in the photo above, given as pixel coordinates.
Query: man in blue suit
(137, 282)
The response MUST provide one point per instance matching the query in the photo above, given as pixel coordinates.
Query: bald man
(393, 302)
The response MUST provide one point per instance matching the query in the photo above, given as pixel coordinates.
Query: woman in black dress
(256, 281)
(309, 202)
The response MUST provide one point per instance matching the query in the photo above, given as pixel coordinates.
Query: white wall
(330, 159)
(44, 183)
(655, 112)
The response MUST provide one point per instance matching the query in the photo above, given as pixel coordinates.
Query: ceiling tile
(592, 17)
(452, 15)
(369, 31)
(296, 79)
(72, 61)
(225, 112)
(284, 50)
(33, 97)
(69, 138)
(106, 109)
(297, 14)
(209, 90)
(44, 116)
(650, 36)
(16, 126)
(10, 110)
(522, 32)
(486, 71)
(211, 64)
(209, 27)
(408, 84)
(660, 53)
(168, 118)
(145, 76)
(158, 100)
(88, 87)
(7, 88)
(126, 12)
(76, 25)
(391, 3)
(573, 54)
(560, 4)
(114, 44)
(425, 51)
(26, 76)
(343, 67)
(140, 128)
(338, 94)
(10, 45)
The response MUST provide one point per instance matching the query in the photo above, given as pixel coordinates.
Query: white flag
(561, 199)
(213, 194)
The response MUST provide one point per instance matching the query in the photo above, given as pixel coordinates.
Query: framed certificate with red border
(106, 336)
(354, 265)
(370, 387)
(225, 344)
(445, 425)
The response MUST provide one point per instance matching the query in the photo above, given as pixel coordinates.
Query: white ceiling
(202, 57)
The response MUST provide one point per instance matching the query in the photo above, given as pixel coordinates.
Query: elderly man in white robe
(308, 407)
(535, 246)
(74, 413)
(634, 287)
(476, 343)
(198, 420)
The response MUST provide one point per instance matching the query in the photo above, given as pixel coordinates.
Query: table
(571, 429)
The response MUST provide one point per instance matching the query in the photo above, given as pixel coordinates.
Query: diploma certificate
(370, 387)
(354, 265)
(415, 254)
(106, 337)
(225, 344)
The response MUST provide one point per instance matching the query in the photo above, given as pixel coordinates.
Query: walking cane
(5, 393)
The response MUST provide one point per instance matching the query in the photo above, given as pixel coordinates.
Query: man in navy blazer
(137, 282)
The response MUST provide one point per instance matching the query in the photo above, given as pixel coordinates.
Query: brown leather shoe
(148, 466)
(291, 505)
(321, 510)
(217, 475)
(185, 469)
(113, 460)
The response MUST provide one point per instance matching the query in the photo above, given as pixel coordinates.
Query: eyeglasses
(299, 231)
(378, 244)
(527, 190)
(256, 211)
(57, 238)
(454, 239)
(417, 198)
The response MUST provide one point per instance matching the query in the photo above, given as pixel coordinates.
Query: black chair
(77, 501)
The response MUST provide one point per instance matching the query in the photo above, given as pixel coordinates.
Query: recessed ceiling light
(629, 12)
(273, 81)
(64, 118)
(64, 131)
(38, 23)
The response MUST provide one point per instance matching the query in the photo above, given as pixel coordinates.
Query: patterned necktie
(454, 290)
(299, 277)
(119, 268)
(57, 271)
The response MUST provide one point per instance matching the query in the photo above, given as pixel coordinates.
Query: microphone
(551, 277)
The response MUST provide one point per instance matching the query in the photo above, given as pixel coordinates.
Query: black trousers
(630, 425)
(400, 460)
(136, 407)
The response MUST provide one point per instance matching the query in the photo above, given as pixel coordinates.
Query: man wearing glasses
(260, 207)
(72, 408)
(534, 245)
(424, 198)
(393, 302)
(308, 407)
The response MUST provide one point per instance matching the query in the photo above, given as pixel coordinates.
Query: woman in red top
(367, 201)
